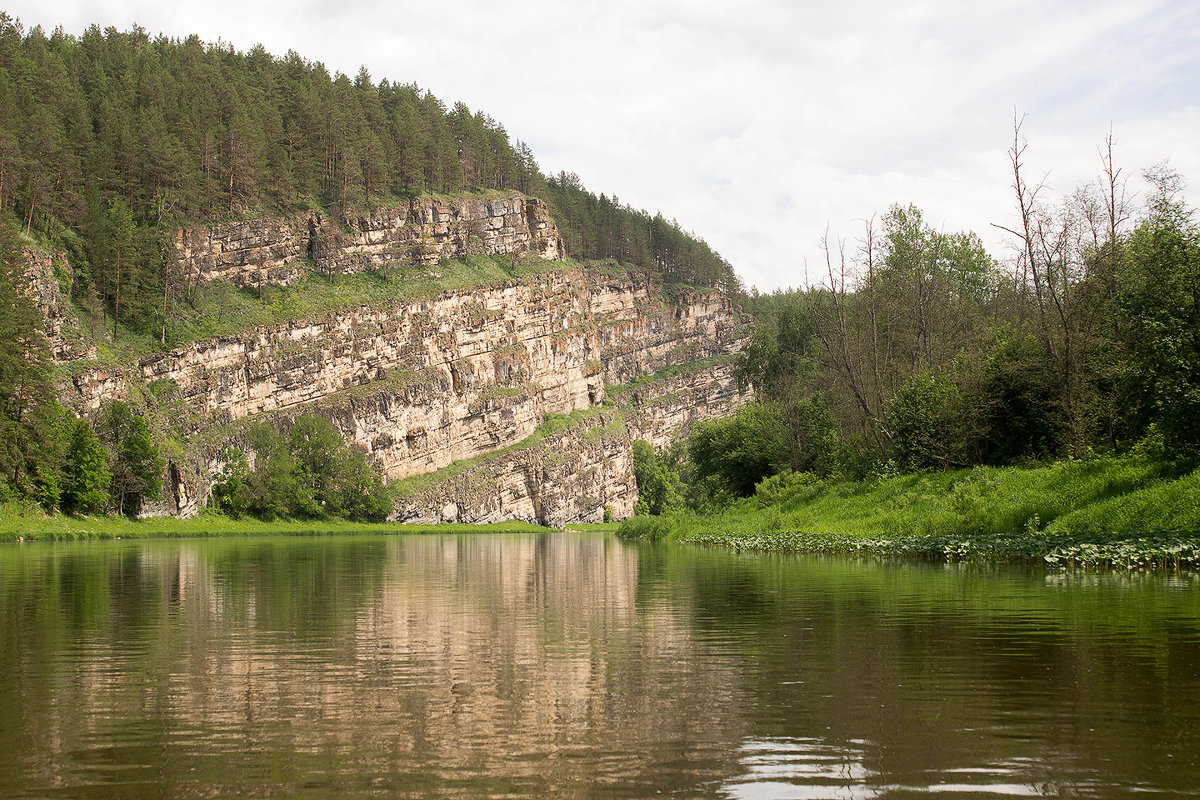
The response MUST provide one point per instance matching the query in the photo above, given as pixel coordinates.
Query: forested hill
(112, 140)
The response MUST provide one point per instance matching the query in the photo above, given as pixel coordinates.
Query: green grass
(221, 309)
(1112, 512)
(594, 527)
(22, 523)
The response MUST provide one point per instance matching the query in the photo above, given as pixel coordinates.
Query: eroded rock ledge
(579, 475)
(278, 250)
(582, 474)
(423, 384)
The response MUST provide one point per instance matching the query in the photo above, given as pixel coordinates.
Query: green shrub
(650, 529)
(782, 487)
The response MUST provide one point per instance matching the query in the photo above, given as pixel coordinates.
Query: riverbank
(1119, 513)
(28, 525)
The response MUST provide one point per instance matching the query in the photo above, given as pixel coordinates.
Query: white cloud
(759, 125)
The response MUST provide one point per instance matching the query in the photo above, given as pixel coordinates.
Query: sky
(764, 125)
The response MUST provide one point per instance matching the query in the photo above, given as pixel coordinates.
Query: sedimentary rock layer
(62, 331)
(423, 384)
(584, 474)
(661, 412)
(278, 250)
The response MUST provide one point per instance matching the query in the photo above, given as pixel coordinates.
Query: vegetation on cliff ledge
(111, 142)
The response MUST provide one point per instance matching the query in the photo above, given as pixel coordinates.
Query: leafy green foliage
(1161, 304)
(309, 473)
(922, 421)
(1019, 417)
(1123, 513)
(917, 353)
(734, 453)
(86, 478)
(782, 486)
(230, 492)
(659, 485)
(134, 461)
(812, 438)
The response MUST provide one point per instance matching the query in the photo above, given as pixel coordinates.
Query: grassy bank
(17, 524)
(1105, 513)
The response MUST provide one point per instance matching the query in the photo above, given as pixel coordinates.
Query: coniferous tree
(86, 478)
(27, 405)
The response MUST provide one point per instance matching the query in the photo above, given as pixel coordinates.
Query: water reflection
(563, 664)
(800, 768)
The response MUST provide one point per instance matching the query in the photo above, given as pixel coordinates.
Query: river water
(572, 665)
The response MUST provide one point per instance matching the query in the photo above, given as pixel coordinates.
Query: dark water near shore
(573, 665)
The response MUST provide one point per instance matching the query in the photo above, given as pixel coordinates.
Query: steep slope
(422, 384)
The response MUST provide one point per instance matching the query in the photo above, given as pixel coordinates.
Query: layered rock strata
(583, 474)
(421, 385)
(579, 475)
(663, 411)
(278, 250)
(62, 327)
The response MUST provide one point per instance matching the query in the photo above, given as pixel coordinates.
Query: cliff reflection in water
(556, 664)
(410, 662)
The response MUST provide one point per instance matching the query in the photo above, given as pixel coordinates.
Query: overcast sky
(760, 124)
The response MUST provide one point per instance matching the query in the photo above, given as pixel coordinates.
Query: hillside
(112, 142)
(503, 336)
(206, 249)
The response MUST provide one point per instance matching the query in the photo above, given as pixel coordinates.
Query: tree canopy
(918, 351)
(111, 140)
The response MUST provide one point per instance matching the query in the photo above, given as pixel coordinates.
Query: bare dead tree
(1070, 260)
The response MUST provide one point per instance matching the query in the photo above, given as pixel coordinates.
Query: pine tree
(27, 404)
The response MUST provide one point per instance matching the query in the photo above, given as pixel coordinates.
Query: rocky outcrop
(279, 250)
(421, 385)
(62, 326)
(664, 410)
(425, 385)
(583, 474)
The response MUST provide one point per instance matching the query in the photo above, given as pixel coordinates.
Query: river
(571, 664)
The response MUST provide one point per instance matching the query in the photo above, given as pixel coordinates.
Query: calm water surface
(572, 665)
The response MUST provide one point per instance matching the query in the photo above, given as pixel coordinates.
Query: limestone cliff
(62, 327)
(582, 474)
(425, 384)
(442, 379)
(662, 410)
(278, 250)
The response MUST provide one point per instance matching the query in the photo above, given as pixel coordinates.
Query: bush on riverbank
(1115, 512)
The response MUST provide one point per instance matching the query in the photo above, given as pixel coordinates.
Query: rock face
(423, 385)
(580, 475)
(660, 413)
(584, 474)
(440, 380)
(277, 250)
(62, 327)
